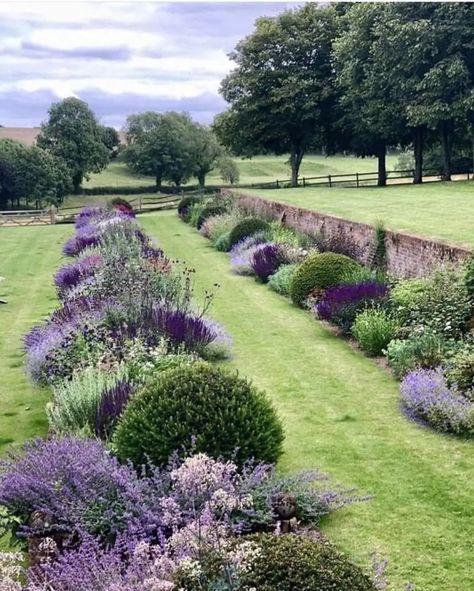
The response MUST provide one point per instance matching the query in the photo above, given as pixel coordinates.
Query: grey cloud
(115, 53)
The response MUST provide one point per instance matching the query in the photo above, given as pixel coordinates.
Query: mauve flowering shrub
(82, 240)
(266, 259)
(342, 303)
(71, 275)
(427, 396)
(78, 487)
(88, 215)
(241, 254)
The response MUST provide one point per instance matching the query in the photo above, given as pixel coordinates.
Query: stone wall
(407, 255)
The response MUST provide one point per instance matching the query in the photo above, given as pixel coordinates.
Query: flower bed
(126, 355)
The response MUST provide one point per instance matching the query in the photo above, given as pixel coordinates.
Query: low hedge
(199, 408)
(320, 271)
(247, 227)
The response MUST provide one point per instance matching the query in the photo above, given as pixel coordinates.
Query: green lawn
(29, 257)
(444, 211)
(341, 413)
(254, 170)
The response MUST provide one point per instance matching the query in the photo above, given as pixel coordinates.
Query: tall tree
(373, 119)
(72, 133)
(161, 145)
(281, 93)
(111, 139)
(207, 152)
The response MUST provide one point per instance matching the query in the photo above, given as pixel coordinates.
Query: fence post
(277, 184)
(357, 179)
(304, 182)
(52, 214)
(140, 203)
(329, 179)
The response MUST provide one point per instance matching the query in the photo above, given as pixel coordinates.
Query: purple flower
(87, 215)
(336, 298)
(71, 275)
(81, 241)
(183, 328)
(111, 407)
(241, 254)
(266, 259)
(427, 396)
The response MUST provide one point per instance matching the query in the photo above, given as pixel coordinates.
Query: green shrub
(185, 204)
(194, 213)
(120, 201)
(443, 306)
(75, 401)
(425, 351)
(282, 234)
(223, 242)
(374, 329)
(291, 562)
(246, 227)
(200, 408)
(460, 370)
(209, 211)
(469, 277)
(281, 280)
(320, 271)
(405, 297)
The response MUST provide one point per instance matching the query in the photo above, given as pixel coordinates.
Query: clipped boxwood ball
(199, 408)
(209, 212)
(320, 271)
(185, 204)
(246, 227)
(290, 562)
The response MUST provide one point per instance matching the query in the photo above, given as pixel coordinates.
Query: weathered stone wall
(407, 255)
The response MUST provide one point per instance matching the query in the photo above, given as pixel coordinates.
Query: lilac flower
(111, 407)
(87, 215)
(80, 242)
(183, 328)
(337, 297)
(79, 488)
(241, 254)
(71, 275)
(266, 259)
(427, 396)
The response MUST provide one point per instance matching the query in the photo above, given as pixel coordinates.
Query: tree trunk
(382, 168)
(77, 182)
(158, 183)
(418, 141)
(445, 133)
(201, 179)
(296, 157)
(473, 153)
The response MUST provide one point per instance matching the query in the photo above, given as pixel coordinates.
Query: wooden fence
(27, 217)
(356, 179)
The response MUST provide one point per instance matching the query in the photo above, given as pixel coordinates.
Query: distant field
(255, 170)
(444, 211)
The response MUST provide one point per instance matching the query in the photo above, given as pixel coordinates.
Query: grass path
(341, 414)
(28, 258)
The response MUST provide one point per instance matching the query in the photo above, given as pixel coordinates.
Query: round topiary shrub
(185, 204)
(199, 408)
(320, 271)
(246, 227)
(208, 212)
(289, 562)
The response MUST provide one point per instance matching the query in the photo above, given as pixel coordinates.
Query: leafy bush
(365, 275)
(469, 277)
(281, 280)
(341, 304)
(339, 243)
(209, 211)
(426, 395)
(214, 227)
(419, 351)
(194, 213)
(121, 204)
(374, 329)
(443, 306)
(460, 370)
(246, 227)
(223, 242)
(319, 271)
(405, 297)
(282, 234)
(212, 411)
(185, 204)
(289, 562)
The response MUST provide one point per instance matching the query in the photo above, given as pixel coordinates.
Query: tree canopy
(73, 134)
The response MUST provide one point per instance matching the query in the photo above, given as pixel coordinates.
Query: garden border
(408, 255)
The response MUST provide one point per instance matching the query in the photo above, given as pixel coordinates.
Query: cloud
(121, 57)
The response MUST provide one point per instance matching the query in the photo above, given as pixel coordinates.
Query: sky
(120, 57)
